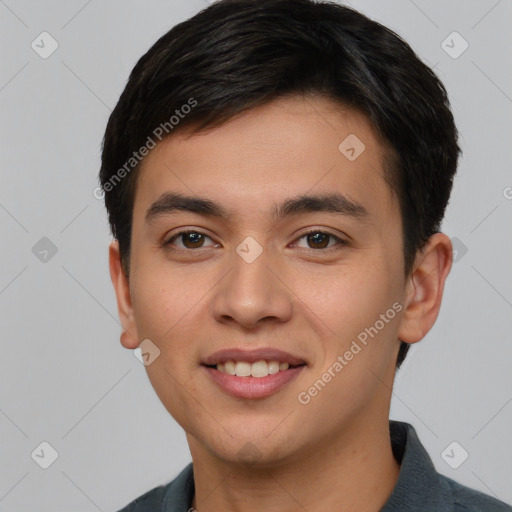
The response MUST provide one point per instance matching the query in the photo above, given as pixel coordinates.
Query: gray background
(66, 379)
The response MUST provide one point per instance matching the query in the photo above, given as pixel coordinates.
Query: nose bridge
(251, 291)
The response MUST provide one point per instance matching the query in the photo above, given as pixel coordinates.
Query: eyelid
(169, 240)
(341, 241)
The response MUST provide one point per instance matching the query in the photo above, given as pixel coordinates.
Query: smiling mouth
(258, 369)
(256, 380)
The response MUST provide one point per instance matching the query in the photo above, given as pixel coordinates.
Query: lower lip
(253, 387)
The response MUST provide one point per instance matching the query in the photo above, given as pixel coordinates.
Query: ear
(129, 336)
(424, 288)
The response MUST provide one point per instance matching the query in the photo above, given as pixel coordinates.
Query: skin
(333, 453)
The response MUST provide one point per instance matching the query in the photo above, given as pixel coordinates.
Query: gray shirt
(419, 486)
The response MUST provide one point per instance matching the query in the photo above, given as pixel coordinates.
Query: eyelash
(340, 242)
(168, 244)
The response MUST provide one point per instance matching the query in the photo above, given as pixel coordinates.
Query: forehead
(290, 147)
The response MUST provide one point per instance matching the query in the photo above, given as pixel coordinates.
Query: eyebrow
(169, 203)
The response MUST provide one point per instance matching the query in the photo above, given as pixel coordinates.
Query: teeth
(242, 369)
(273, 367)
(258, 369)
(229, 367)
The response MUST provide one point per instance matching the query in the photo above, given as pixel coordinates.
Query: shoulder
(466, 499)
(421, 487)
(150, 501)
(177, 494)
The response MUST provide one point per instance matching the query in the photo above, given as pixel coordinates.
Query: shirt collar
(418, 481)
(417, 484)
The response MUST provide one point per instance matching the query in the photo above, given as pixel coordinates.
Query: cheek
(356, 304)
(349, 299)
(164, 305)
(170, 310)
(161, 300)
(358, 356)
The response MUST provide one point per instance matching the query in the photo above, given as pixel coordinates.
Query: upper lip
(251, 356)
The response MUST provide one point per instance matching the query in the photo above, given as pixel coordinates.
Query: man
(275, 174)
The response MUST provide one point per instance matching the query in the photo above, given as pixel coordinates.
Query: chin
(258, 446)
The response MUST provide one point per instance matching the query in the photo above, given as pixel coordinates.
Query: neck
(356, 471)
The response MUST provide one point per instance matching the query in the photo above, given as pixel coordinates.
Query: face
(318, 280)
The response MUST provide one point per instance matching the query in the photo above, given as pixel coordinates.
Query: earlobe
(424, 288)
(129, 336)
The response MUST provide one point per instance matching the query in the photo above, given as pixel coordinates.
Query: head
(250, 105)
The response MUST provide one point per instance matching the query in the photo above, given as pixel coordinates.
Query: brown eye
(194, 239)
(321, 240)
(188, 239)
(318, 240)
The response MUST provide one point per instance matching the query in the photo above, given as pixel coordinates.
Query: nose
(253, 293)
